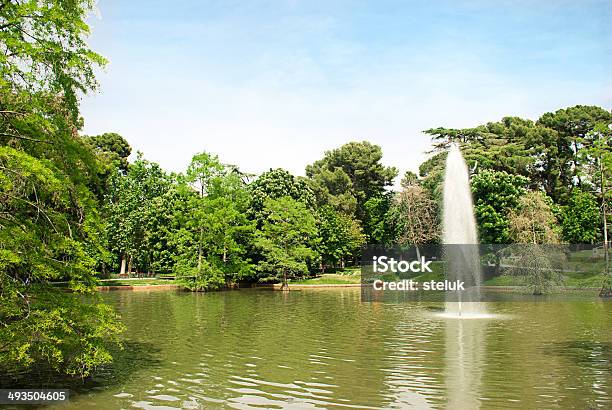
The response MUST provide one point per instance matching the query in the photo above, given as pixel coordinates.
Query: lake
(253, 349)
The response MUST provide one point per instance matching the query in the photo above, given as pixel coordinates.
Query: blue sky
(276, 83)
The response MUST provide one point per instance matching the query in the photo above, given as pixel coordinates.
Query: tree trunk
(129, 265)
(122, 272)
(606, 287)
(497, 264)
(418, 252)
(285, 285)
(200, 250)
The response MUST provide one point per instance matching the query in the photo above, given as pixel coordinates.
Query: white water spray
(460, 236)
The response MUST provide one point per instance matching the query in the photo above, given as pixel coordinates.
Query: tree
(228, 231)
(334, 188)
(414, 216)
(212, 244)
(128, 207)
(46, 52)
(112, 149)
(409, 179)
(573, 126)
(580, 218)
(548, 151)
(534, 262)
(166, 216)
(496, 193)
(286, 239)
(431, 173)
(340, 236)
(498, 146)
(204, 167)
(376, 225)
(361, 163)
(533, 220)
(275, 184)
(48, 214)
(598, 153)
(533, 225)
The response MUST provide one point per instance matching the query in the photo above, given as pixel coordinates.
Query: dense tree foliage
(112, 150)
(275, 184)
(287, 239)
(73, 207)
(580, 218)
(128, 212)
(348, 177)
(340, 237)
(496, 193)
(49, 217)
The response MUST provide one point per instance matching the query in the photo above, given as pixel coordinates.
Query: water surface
(325, 349)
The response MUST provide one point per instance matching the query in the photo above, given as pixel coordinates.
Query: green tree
(340, 237)
(496, 193)
(204, 167)
(376, 225)
(334, 188)
(128, 211)
(409, 179)
(498, 146)
(287, 239)
(46, 52)
(112, 149)
(275, 184)
(167, 215)
(533, 225)
(228, 232)
(431, 173)
(548, 152)
(360, 162)
(49, 217)
(580, 218)
(217, 229)
(573, 126)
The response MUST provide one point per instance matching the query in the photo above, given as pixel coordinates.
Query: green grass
(136, 282)
(571, 279)
(583, 280)
(339, 277)
(504, 280)
(328, 279)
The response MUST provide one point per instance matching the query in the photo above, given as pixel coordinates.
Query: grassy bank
(350, 276)
(136, 282)
(338, 277)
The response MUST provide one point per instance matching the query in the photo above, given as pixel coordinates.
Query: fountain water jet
(460, 237)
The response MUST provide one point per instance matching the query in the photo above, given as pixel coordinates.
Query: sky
(267, 84)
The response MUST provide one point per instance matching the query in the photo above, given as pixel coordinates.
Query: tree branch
(21, 137)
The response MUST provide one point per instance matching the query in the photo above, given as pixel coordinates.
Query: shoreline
(137, 288)
(277, 287)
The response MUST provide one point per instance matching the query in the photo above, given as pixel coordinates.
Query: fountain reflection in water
(460, 238)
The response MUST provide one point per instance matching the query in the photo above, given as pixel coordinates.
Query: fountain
(460, 238)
